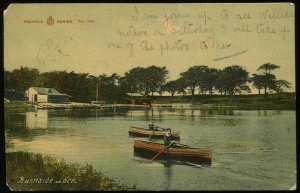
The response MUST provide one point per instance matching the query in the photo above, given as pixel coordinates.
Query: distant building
(46, 95)
(137, 99)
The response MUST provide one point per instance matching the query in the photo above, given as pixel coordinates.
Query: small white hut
(46, 95)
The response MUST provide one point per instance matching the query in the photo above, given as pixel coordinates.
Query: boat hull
(141, 132)
(193, 155)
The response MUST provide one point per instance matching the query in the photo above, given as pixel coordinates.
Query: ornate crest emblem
(50, 21)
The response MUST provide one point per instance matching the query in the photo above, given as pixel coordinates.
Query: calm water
(252, 150)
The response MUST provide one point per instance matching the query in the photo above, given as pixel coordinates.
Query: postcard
(150, 96)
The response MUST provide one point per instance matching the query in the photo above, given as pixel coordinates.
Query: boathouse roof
(47, 91)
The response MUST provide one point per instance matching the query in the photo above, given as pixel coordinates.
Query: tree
(268, 81)
(257, 80)
(242, 89)
(41, 81)
(193, 77)
(181, 84)
(146, 80)
(267, 68)
(92, 87)
(171, 87)
(80, 86)
(235, 79)
(219, 84)
(108, 87)
(135, 80)
(267, 77)
(10, 86)
(156, 78)
(25, 77)
(208, 79)
(10, 81)
(279, 85)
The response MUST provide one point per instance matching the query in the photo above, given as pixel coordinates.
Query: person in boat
(151, 126)
(168, 138)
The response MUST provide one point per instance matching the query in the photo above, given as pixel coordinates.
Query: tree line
(84, 87)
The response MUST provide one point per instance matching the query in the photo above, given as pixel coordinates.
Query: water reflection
(182, 113)
(268, 112)
(160, 113)
(261, 112)
(207, 112)
(37, 119)
(30, 124)
(84, 113)
(224, 121)
(192, 115)
(14, 120)
(147, 114)
(168, 174)
(26, 126)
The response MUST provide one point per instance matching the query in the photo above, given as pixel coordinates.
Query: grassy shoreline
(284, 101)
(32, 171)
(18, 106)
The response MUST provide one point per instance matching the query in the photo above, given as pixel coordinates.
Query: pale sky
(108, 38)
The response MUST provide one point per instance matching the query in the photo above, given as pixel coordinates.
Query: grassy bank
(18, 106)
(29, 171)
(284, 101)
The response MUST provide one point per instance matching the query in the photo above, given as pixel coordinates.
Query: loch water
(251, 150)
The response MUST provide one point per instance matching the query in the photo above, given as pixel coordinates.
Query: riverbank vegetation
(29, 171)
(18, 106)
(196, 81)
(284, 101)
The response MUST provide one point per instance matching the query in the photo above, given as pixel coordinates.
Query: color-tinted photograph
(150, 96)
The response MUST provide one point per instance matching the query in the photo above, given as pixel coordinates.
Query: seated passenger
(168, 138)
(151, 126)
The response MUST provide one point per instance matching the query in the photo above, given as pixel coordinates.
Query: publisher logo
(50, 21)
